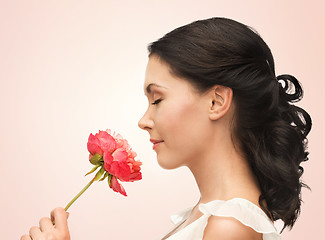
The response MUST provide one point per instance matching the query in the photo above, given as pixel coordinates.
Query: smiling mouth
(156, 143)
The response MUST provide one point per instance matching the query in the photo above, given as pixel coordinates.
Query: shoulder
(227, 228)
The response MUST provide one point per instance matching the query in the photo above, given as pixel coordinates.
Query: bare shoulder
(227, 228)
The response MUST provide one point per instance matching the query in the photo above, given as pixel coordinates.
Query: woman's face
(176, 117)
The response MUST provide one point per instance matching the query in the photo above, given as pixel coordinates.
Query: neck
(223, 174)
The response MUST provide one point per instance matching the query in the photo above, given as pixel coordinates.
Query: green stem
(79, 194)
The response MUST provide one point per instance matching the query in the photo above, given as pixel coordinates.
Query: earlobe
(221, 98)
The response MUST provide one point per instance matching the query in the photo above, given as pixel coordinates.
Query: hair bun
(292, 88)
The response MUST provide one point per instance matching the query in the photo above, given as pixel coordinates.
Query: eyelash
(156, 102)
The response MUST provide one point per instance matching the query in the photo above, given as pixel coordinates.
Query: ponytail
(282, 148)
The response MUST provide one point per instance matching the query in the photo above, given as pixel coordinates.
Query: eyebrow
(148, 88)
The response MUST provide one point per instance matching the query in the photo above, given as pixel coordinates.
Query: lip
(156, 143)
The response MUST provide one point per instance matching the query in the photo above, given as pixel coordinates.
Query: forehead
(158, 75)
(156, 71)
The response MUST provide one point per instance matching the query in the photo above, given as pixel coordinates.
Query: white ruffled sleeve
(244, 211)
(181, 216)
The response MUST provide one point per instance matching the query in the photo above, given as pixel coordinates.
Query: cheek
(175, 119)
(183, 125)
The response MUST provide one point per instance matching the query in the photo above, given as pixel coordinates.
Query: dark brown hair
(270, 129)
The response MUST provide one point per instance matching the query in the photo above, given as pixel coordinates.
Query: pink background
(68, 68)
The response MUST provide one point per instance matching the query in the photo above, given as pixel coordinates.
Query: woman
(217, 107)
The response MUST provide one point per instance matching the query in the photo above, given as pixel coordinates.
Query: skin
(47, 231)
(195, 131)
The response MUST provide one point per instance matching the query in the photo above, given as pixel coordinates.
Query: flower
(114, 157)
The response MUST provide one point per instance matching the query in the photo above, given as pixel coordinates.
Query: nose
(146, 123)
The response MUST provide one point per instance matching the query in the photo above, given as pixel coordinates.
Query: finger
(25, 237)
(53, 222)
(35, 232)
(60, 218)
(45, 224)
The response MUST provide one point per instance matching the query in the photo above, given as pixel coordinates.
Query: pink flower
(113, 152)
(115, 159)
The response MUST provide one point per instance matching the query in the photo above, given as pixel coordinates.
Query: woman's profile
(217, 107)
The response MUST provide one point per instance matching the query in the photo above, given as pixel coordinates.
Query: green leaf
(92, 170)
(105, 176)
(96, 159)
(109, 179)
(99, 174)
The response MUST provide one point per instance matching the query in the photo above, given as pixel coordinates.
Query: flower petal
(107, 142)
(93, 145)
(135, 176)
(120, 167)
(120, 155)
(108, 159)
(121, 170)
(116, 186)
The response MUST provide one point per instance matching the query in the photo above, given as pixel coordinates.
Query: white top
(241, 209)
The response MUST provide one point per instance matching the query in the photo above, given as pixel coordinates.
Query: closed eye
(156, 102)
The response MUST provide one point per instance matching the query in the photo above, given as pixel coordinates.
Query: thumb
(59, 215)
(67, 214)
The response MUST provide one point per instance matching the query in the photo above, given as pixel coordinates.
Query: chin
(167, 163)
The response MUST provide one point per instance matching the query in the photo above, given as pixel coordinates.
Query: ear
(220, 101)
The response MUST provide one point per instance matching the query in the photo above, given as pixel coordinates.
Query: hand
(48, 231)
